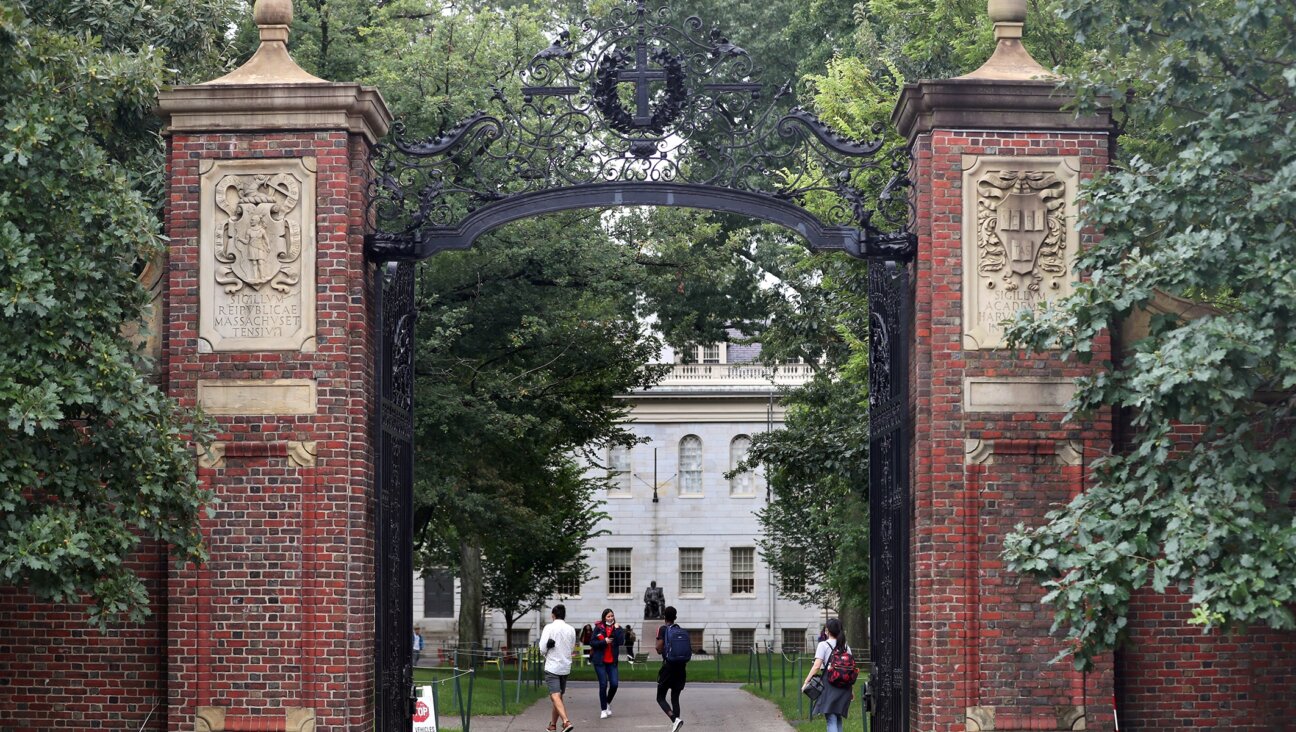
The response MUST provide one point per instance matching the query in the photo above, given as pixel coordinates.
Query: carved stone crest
(1021, 228)
(1019, 239)
(258, 244)
(257, 249)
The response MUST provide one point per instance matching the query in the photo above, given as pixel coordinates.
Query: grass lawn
(484, 688)
(780, 683)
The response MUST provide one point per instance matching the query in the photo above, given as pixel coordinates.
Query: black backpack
(677, 647)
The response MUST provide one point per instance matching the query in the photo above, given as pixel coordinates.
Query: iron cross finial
(642, 76)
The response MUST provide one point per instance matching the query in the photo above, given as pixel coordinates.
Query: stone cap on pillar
(1011, 91)
(271, 92)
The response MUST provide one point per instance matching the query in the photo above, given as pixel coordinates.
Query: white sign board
(425, 714)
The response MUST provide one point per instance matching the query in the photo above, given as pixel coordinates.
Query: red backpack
(842, 671)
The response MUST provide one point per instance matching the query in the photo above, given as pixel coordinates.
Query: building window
(695, 637)
(619, 469)
(438, 593)
(690, 465)
(710, 353)
(619, 579)
(742, 640)
(742, 570)
(519, 638)
(569, 585)
(744, 483)
(690, 571)
(792, 585)
(794, 640)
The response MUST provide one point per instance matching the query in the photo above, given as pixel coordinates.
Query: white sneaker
(609, 710)
(604, 714)
(679, 722)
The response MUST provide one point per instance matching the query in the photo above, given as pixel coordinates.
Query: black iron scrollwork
(394, 483)
(889, 433)
(630, 100)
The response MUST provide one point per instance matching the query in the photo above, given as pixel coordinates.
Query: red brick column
(991, 449)
(276, 630)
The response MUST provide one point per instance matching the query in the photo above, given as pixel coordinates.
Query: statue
(654, 602)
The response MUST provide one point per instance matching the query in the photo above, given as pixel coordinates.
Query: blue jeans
(609, 679)
(834, 722)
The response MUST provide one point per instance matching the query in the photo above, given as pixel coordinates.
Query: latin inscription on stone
(257, 289)
(1019, 240)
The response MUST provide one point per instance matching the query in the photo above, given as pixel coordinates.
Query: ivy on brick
(1202, 207)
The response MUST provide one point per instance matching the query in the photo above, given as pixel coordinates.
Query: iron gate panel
(394, 480)
(889, 435)
(703, 131)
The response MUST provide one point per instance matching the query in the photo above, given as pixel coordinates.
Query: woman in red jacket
(605, 646)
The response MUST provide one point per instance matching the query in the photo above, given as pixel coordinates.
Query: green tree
(816, 523)
(524, 341)
(524, 344)
(1201, 210)
(547, 549)
(95, 458)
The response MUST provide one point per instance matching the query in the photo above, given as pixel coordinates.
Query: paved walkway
(704, 707)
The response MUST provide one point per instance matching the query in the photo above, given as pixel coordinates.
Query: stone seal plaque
(257, 250)
(1019, 239)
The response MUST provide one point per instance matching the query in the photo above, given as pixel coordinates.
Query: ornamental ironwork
(635, 109)
(394, 483)
(889, 465)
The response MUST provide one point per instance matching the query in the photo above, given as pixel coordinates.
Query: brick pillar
(268, 327)
(998, 162)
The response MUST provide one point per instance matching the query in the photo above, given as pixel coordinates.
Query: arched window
(744, 483)
(690, 465)
(619, 469)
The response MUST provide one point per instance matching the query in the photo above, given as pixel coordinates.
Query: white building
(676, 519)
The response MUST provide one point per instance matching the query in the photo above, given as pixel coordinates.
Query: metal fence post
(800, 696)
(783, 673)
(503, 703)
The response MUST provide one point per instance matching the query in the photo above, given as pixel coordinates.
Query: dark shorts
(672, 676)
(556, 684)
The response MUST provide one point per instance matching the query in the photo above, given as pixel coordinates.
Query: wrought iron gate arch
(818, 236)
(713, 138)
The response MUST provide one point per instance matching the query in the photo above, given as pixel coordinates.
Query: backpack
(842, 671)
(677, 647)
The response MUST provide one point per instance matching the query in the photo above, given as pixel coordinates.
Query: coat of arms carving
(257, 244)
(1019, 239)
(1021, 229)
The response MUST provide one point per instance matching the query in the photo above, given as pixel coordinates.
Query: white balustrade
(747, 374)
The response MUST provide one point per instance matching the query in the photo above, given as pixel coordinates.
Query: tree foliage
(523, 345)
(1203, 209)
(94, 457)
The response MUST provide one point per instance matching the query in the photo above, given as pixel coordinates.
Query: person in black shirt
(671, 677)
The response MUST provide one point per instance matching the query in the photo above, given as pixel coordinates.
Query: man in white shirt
(557, 641)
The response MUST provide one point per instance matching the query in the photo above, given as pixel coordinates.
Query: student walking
(629, 644)
(605, 647)
(557, 641)
(675, 648)
(833, 653)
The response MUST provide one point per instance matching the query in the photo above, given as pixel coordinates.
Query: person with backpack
(676, 649)
(834, 657)
(605, 648)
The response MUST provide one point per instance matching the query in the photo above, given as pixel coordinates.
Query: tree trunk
(509, 620)
(471, 627)
(855, 624)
